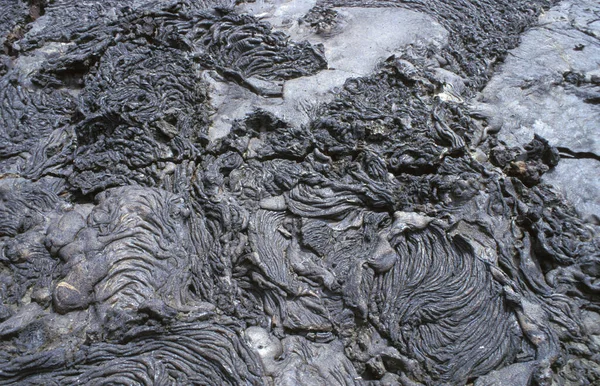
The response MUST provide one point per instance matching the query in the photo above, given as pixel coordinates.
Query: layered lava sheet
(300, 192)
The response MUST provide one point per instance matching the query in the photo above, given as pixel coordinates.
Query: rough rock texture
(550, 86)
(211, 193)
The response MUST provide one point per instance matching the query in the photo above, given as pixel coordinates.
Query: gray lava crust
(393, 232)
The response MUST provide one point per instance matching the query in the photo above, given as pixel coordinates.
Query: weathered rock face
(190, 194)
(550, 86)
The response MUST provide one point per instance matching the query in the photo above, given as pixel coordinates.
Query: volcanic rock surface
(330, 192)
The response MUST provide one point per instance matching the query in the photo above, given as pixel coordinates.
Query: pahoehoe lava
(394, 239)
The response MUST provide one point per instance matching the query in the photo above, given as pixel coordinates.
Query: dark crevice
(37, 8)
(593, 100)
(565, 152)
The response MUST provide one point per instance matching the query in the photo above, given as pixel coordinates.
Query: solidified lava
(392, 240)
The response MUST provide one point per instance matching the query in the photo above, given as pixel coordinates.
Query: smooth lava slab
(550, 86)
